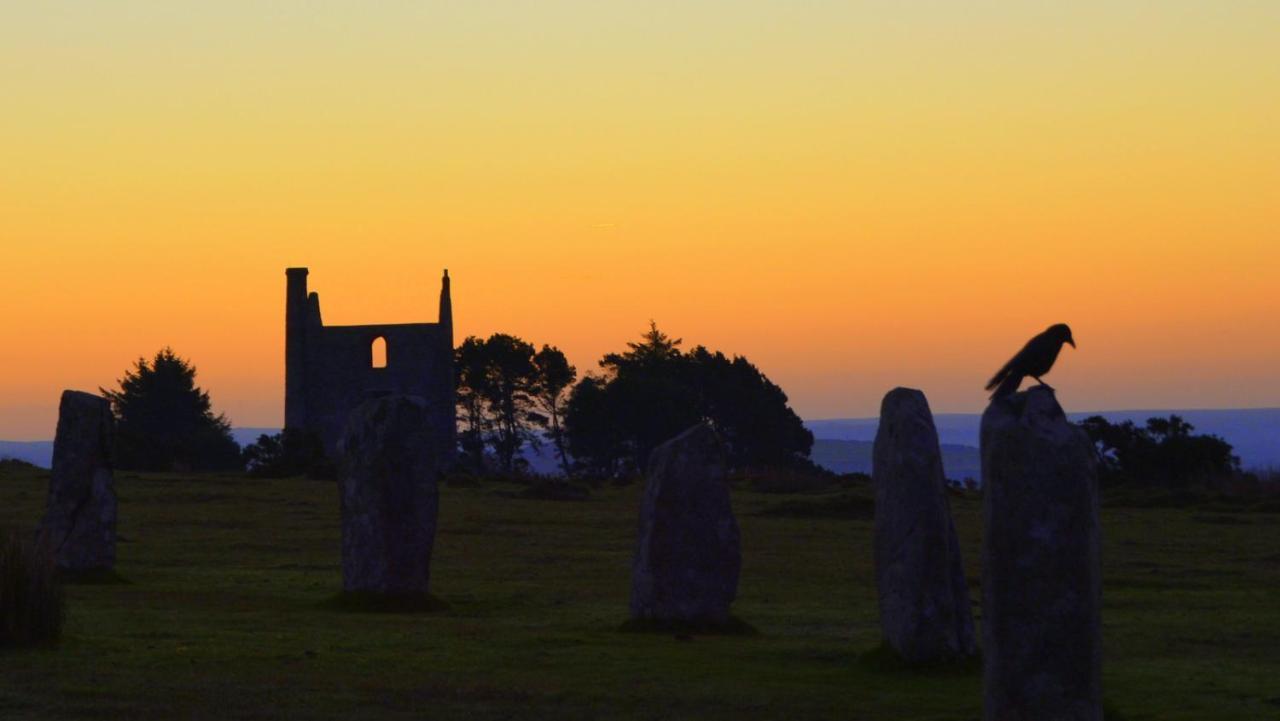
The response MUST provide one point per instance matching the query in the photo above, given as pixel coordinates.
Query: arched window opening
(379, 352)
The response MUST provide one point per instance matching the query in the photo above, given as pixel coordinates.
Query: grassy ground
(224, 615)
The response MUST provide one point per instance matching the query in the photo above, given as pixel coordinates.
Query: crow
(1035, 359)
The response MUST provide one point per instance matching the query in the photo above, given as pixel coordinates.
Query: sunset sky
(854, 195)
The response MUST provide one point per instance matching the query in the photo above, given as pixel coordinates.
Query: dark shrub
(856, 479)
(789, 480)
(15, 465)
(31, 600)
(290, 453)
(1165, 454)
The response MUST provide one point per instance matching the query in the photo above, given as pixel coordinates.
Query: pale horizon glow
(855, 196)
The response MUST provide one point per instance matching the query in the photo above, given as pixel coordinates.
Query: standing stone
(388, 475)
(924, 601)
(1041, 566)
(688, 557)
(80, 517)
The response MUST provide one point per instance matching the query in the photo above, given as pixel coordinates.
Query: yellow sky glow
(853, 195)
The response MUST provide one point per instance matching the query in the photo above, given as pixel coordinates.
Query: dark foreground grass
(360, 602)
(687, 630)
(230, 612)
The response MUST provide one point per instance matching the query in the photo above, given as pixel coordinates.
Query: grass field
(223, 615)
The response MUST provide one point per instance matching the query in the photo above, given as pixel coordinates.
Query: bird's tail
(1002, 374)
(1007, 386)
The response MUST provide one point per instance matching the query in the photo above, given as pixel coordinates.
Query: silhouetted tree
(291, 452)
(1165, 452)
(750, 411)
(512, 379)
(653, 391)
(471, 373)
(555, 376)
(164, 421)
(650, 381)
(595, 429)
(497, 382)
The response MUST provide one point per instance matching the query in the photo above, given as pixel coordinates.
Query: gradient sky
(854, 195)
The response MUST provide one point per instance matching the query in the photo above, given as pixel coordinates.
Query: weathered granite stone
(688, 556)
(1041, 566)
(924, 602)
(80, 516)
(389, 479)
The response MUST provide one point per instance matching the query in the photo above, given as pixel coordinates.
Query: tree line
(604, 424)
(511, 397)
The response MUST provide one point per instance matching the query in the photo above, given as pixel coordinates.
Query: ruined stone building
(329, 370)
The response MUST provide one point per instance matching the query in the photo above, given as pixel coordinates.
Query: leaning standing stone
(688, 557)
(1041, 568)
(80, 517)
(924, 602)
(388, 476)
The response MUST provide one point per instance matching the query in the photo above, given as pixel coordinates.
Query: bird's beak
(1072, 342)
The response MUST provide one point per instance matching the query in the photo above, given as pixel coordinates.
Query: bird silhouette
(1035, 359)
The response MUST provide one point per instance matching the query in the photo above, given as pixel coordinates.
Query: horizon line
(1071, 413)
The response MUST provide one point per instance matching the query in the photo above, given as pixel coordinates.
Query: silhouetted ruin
(330, 370)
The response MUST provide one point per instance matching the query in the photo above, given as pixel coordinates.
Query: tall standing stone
(80, 516)
(924, 601)
(688, 556)
(388, 475)
(1041, 564)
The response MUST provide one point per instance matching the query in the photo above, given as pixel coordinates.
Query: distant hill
(1253, 432)
(39, 453)
(958, 462)
(248, 436)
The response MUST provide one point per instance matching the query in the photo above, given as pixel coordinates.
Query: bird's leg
(1042, 383)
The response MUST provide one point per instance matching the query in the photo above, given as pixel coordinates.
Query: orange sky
(854, 195)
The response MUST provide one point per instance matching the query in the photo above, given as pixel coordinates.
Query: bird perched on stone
(1035, 359)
